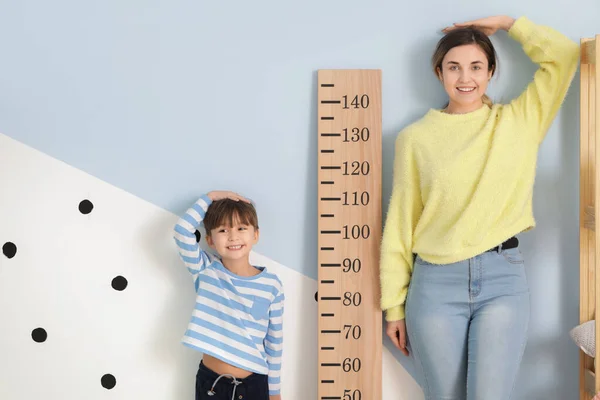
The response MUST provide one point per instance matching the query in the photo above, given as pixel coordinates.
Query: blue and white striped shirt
(237, 319)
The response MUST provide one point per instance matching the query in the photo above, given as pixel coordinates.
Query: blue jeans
(467, 325)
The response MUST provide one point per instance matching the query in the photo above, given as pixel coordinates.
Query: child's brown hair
(227, 212)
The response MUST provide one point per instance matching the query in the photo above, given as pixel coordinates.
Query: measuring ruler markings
(349, 233)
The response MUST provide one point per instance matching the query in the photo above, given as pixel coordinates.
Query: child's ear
(210, 241)
(256, 235)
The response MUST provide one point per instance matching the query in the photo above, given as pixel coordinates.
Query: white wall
(61, 280)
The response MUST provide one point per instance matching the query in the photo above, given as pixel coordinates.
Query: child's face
(233, 242)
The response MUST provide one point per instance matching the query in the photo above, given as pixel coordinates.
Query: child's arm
(274, 345)
(185, 236)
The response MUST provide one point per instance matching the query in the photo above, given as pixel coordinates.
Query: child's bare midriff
(221, 367)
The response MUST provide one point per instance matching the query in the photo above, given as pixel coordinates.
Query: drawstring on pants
(235, 384)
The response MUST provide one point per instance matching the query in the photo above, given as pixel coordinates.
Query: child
(237, 320)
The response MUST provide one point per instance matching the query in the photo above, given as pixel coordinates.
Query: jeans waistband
(210, 374)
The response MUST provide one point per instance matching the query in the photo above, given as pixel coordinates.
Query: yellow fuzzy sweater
(463, 183)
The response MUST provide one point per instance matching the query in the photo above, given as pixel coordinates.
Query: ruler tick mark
(327, 248)
(327, 348)
(331, 232)
(326, 118)
(327, 151)
(328, 281)
(331, 102)
(327, 381)
(327, 215)
(327, 85)
(331, 298)
(331, 365)
(327, 182)
(327, 315)
(331, 167)
(331, 134)
(331, 265)
(331, 198)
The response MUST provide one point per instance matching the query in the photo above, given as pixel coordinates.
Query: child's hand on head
(225, 194)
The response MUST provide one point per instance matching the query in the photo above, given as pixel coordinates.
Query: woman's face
(465, 76)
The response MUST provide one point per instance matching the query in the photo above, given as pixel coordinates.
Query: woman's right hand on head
(225, 194)
(488, 25)
(396, 330)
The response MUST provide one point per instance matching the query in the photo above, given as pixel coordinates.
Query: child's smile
(233, 242)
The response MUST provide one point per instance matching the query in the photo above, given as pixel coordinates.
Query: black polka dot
(9, 249)
(119, 283)
(108, 381)
(316, 296)
(198, 236)
(39, 335)
(86, 206)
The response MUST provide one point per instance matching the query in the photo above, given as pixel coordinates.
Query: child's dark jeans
(253, 387)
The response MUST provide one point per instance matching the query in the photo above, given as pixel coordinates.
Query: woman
(452, 276)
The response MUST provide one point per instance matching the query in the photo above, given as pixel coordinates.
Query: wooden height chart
(349, 234)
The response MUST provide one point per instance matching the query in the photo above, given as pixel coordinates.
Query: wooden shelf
(589, 178)
(590, 382)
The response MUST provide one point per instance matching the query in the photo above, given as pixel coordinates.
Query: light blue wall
(169, 99)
